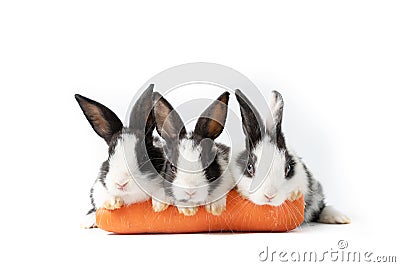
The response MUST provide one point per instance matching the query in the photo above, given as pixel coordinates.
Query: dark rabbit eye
(288, 168)
(173, 168)
(289, 172)
(250, 169)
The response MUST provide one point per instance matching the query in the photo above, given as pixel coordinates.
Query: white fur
(331, 215)
(124, 169)
(270, 170)
(100, 194)
(227, 183)
(190, 178)
(272, 174)
(89, 221)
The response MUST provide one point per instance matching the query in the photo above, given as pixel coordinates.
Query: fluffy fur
(280, 173)
(131, 172)
(195, 169)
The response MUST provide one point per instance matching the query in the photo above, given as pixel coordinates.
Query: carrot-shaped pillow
(240, 216)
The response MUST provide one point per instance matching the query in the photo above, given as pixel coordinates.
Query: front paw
(158, 206)
(216, 208)
(295, 195)
(113, 203)
(188, 211)
(89, 221)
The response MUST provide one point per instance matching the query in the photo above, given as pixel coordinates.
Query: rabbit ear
(142, 118)
(169, 124)
(104, 122)
(274, 128)
(212, 121)
(252, 125)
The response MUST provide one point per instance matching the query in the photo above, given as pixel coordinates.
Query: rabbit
(135, 158)
(282, 174)
(196, 168)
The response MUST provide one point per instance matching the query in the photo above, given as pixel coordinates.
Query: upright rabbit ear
(142, 117)
(252, 124)
(274, 128)
(169, 124)
(212, 121)
(104, 122)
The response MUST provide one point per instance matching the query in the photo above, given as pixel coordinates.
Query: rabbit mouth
(273, 203)
(190, 202)
(265, 201)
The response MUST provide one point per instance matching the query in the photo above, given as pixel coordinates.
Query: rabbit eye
(288, 168)
(250, 169)
(173, 168)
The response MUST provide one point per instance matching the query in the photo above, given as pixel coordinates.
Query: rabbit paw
(113, 203)
(215, 208)
(89, 221)
(333, 216)
(158, 206)
(188, 211)
(295, 195)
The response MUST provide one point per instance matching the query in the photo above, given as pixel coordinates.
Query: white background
(337, 64)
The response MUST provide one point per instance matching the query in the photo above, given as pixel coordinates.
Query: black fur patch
(214, 171)
(280, 140)
(142, 121)
(311, 214)
(308, 200)
(224, 151)
(290, 165)
(150, 159)
(243, 159)
(103, 172)
(91, 211)
(114, 141)
(252, 124)
(167, 173)
(170, 154)
(211, 168)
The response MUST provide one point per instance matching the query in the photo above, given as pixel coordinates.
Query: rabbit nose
(121, 186)
(190, 193)
(269, 197)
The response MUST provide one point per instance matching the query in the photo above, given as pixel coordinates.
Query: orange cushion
(240, 216)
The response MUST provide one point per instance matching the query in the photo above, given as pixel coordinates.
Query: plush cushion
(240, 216)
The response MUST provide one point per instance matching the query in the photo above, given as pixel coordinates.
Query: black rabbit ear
(142, 117)
(104, 122)
(274, 128)
(169, 124)
(252, 124)
(212, 121)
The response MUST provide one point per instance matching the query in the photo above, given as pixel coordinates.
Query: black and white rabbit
(130, 173)
(196, 168)
(268, 159)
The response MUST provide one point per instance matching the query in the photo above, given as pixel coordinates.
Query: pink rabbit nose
(121, 186)
(269, 197)
(190, 193)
